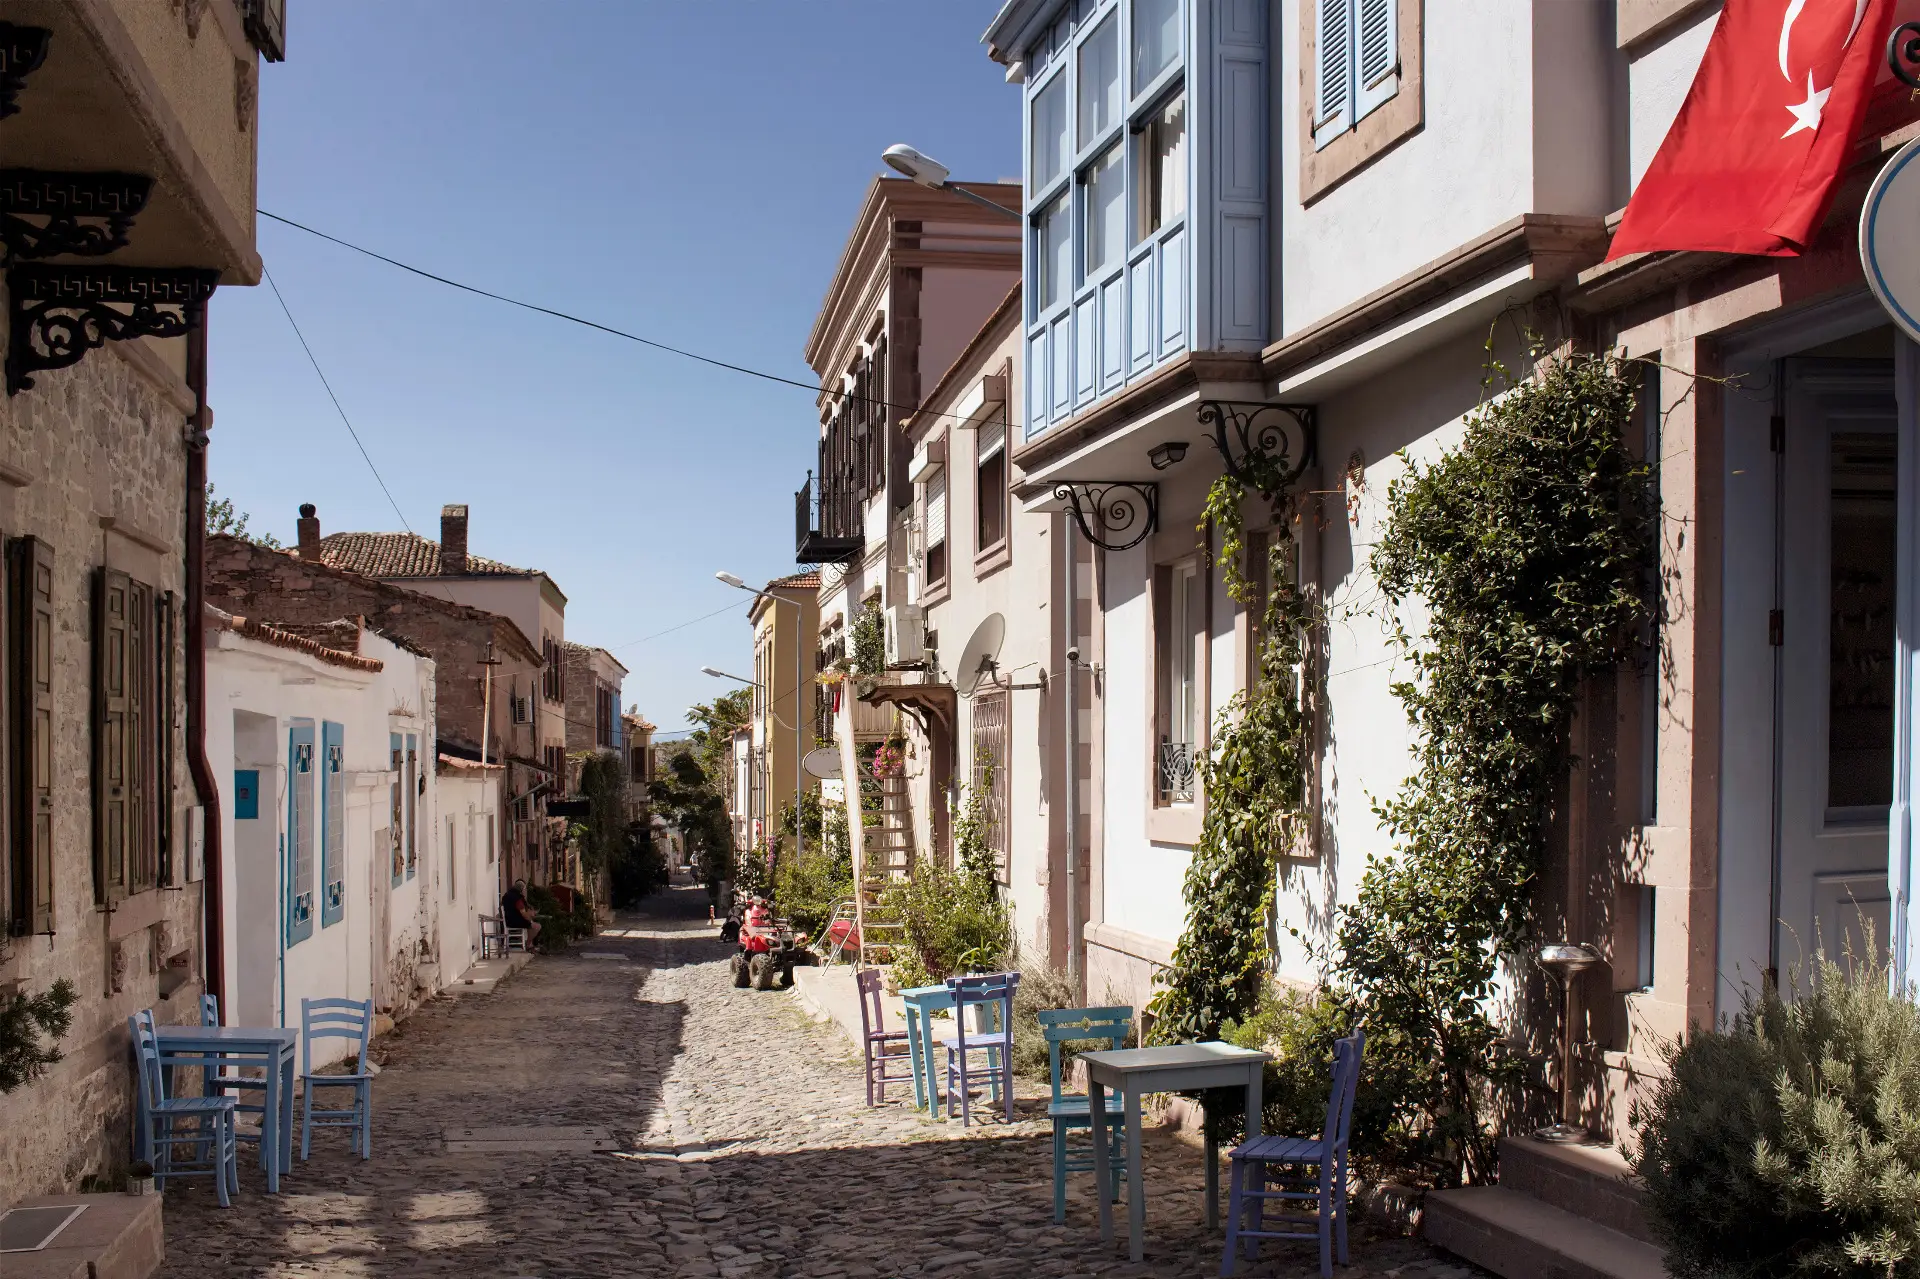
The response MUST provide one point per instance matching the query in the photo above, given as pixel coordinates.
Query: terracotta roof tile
(808, 581)
(401, 555)
(287, 639)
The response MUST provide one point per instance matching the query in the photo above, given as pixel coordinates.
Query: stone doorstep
(1519, 1237)
(1590, 1180)
(117, 1237)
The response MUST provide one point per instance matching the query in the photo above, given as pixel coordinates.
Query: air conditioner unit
(906, 634)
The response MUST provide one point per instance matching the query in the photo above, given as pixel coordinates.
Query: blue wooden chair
(208, 1132)
(1315, 1168)
(220, 1082)
(986, 1001)
(350, 1019)
(1109, 1028)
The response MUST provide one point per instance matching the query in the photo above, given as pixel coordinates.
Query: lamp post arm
(982, 200)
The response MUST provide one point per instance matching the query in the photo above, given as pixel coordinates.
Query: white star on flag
(1806, 115)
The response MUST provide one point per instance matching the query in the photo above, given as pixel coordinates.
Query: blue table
(921, 1003)
(271, 1049)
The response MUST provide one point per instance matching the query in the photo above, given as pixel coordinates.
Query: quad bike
(769, 949)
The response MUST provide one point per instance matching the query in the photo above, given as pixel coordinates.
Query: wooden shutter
(1376, 60)
(1333, 69)
(140, 742)
(333, 824)
(112, 787)
(32, 754)
(300, 818)
(166, 722)
(413, 804)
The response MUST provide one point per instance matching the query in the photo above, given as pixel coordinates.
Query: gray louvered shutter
(1333, 70)
(1377, 60)
(112, 787)
(33, 737)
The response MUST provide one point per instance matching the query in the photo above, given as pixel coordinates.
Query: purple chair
(881, 1047)
(987, 1001)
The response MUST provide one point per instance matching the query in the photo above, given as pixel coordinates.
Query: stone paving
(745, 1150)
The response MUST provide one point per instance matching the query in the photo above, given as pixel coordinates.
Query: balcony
(826, 524)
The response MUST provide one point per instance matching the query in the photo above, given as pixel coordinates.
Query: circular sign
(822, 762)
(1890, 238)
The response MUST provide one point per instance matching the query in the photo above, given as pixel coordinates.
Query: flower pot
(140, 1185)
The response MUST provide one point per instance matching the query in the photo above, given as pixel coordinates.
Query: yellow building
(786, 624)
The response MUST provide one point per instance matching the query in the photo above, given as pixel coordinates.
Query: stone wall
(93, 461)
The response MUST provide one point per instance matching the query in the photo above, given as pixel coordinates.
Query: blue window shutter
(396, 823)
(300, 820)
(413, 804)
(333, 825)
(1333, 70)
(1376, 54)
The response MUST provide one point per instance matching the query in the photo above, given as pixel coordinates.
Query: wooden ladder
(888, 856)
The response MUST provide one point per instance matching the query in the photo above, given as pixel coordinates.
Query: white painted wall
(1659, 74)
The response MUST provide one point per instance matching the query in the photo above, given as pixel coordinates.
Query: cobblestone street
(745, 1150)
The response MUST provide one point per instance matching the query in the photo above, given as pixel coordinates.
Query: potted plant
(140, 1178)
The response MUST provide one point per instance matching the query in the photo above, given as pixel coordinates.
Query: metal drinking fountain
(1564, 959)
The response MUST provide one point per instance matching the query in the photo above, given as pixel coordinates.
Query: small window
(1053, 250)
(1633, 938)
(990, 493)
(1163, 167)
(1106, 213)
(1179, 631)
(1100, 81)
(1156, 39)
(937, 528)
(1050, 149)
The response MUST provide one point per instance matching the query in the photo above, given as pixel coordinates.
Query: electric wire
(764, 376)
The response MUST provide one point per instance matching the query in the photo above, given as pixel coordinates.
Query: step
(1518, 1237)
(1589, 1179)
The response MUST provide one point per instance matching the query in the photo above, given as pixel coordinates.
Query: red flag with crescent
(1752, 160)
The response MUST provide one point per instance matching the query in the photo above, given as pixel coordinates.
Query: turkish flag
(1752, 159)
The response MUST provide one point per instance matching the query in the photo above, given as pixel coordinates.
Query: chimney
(309, 530)
(453, 540)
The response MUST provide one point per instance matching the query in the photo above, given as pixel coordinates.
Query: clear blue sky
(686, 171)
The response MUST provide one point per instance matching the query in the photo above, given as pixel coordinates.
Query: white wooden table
(1134, 1072)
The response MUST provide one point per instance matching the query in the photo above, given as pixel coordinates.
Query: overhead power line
(592, 324)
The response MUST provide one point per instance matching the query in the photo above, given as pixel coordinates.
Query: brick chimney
(309, 530)
(453, 540)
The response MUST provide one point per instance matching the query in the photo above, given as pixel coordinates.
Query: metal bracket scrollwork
(1903, 53)
(1124, 510)
(62, 312)
(22, 50)
(1265, 447)
(86, 213)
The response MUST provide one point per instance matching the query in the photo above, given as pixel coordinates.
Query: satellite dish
(822, 762)
(978, 660)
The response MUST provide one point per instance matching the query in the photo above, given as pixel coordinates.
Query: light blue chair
(1315, 1168)
(209, 1131)
(220, 1082)
(1109, 1028)
(350, 1019)
(987, 1002)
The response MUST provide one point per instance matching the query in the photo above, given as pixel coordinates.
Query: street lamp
(799, 748)
(930, 173)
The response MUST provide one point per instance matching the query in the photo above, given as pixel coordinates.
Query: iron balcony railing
(826, 524)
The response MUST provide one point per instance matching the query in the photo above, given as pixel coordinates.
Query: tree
(685, 795)
(224, 517)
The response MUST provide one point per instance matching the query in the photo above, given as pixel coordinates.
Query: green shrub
(1042, 988)
(558, 927)
(955, 922)
(23, 1020)
(809, 884)
(1787, 1143)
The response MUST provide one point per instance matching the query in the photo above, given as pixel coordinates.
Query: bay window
(1106, 213)
(1156, 39)
(1100, 80)
(1163, 166)
(1050, 148)
(1053, 252)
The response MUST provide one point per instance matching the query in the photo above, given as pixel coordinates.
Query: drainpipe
(1073, 760)
(213, 918)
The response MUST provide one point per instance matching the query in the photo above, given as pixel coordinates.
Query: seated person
(516, 912)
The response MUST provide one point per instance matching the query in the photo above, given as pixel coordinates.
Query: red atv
(769, 948)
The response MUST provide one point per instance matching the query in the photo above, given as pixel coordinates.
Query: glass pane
(1860, 649)
(1106, 229)
(1052, 252)
(1163, 167)
(1100, 81)
(1186, 613)
(1049, 133)
(1156, 39)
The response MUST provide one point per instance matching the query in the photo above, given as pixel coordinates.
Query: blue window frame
(333, 825)
(300, 823)
(397, 815)
(414, 787)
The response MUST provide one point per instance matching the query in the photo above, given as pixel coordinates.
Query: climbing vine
(1255, 783)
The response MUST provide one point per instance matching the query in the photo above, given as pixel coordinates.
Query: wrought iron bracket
(22, 50)
(1903, 53)
(62, 312)
(1126, 511)
(86, 213)
(1265, 447)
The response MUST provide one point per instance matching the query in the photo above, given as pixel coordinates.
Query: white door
(1834, 751)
